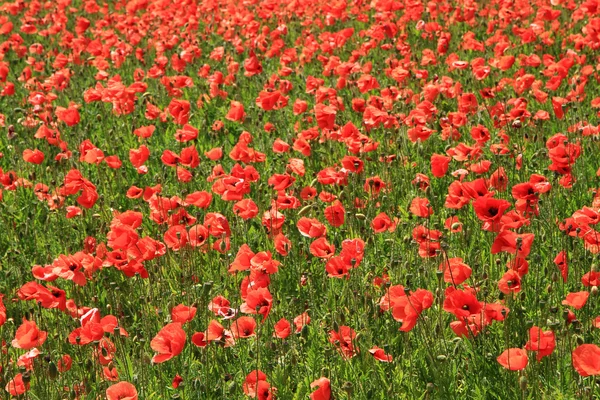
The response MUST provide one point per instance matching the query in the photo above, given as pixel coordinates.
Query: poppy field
(345, 199)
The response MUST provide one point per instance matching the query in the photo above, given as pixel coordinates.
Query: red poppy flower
(33, 156)
(462, 303)
(337, 267)
(186, 133)
(215, 331)
(382, 223)
(29, 336)
(138, 157)
(69, 116)
(236, 111)
(335, 214)
(182, 313)
(514, 359)
(408, 308)
(199, 339)
(16, 386)
(243, 327)
(561, 262)
(321, 248)
(180, 111)
(380, 355)
(258, 301)
(325, 116)
(144, 131)
(421, 208)
(310, 227)
(168, 342)
(301, 321)
(122, 391)
(214, 154)
(282, 328)
(439, 165)
(256, 386)
(543, 342)
(490, 210)
(586, 360)
(512, 243)
(323, 391)
(455, 271)
(344, 341)
(510, 282)
(246, 209)
(576, 300)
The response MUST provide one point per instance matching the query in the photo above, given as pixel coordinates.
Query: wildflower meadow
(299, 199)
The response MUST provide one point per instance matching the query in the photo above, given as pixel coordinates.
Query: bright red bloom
(380, 355)
(576, 300)
(282, 328)
(383, 223)
(514, 359)
(122, 391)
(543, 342)
(561, 262)
(323, 391)
(455, 271)
(310, 227)
(29, 336)
(182, 313)
(168, 342)
(236, 111)
(322, 248)
(586, 360)
(335, 214)
(344, 341)
(462, 303)
(490, 210)
(243, 327)
(439, 165)
(510, 282)
(16, 386)
(512, 243)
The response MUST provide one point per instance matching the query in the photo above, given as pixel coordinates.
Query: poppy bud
(529, 324)
(549, 289)
(52, 370)
(594, 291)
(523, 383)
(11, 132)
(26, 377)
(348, 388)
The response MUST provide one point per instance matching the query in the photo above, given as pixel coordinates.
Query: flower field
(345, 199)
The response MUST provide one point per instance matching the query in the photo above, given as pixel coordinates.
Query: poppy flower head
(168, 342)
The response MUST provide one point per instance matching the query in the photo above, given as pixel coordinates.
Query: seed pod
(52, 370)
